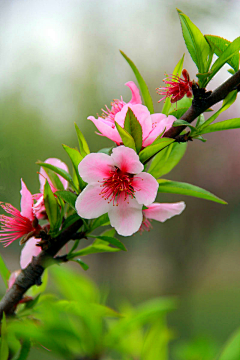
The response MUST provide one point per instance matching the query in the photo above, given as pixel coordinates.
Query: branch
(31, 275)
(200, 105)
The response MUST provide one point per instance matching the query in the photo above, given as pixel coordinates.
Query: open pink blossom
(29, 250)
(106, 122)
(117, 186)
(160, 212)
(19, 223)
(152, 125)
(39, 207)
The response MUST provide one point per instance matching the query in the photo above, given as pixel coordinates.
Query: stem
(31, 275)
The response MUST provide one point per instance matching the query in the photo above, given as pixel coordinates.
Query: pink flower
(19, 224)
(160, 212)
(29, 250)
(176, 87)
(117, 186)
(152, 125)
(39, 207)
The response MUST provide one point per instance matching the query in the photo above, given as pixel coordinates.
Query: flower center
(117, 183)
(116, 106)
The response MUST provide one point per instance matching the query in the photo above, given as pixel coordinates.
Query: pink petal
(142, 114)
(127, 217)
(43, 175)
(107, 129)
(30, 249)
(162, 212)
(146, 187)
(90, 204)
(159, 123)
(95, 167)
(126, 160)
(26, 202)
(13, 278)
(136, 98)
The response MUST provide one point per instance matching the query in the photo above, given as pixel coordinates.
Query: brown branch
(199, 106)
(31, 275)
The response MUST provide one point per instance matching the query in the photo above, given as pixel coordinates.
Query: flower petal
(136, 98)
(30, 249)
(142, 114)
(146, 187)
(127, 217)
(107, 129)
(90, 204)
(95, 167)
(43, 175)
(126, 160)
(26, 202)
(162, 212)
(159, 123)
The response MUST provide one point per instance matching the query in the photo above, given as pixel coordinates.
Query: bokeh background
(60, 63)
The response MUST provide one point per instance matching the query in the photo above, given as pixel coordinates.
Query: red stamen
(116, 106)
(117, 183)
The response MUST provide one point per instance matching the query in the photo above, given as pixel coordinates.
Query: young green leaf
(4, 351)
(102, 220)
(175, 187)
(82, 264)
(227, 102)
(219, 45)
(143, 87)
(167, 159)
(59, 171)
(97, 246)
(183, 123)
(83, 146)
(230, 51)
(196, 43)
(51, 206)
(127, 139)
(24, 351)
(4, 272)
(70, 220)
(178, 113)
(133, 127)
(151, 150)
(110, 240)
(232, 349)
(176, 72)
(75, 158)
(222, 125)
(69, 197)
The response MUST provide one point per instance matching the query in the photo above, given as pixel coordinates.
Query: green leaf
(151, 150)
(102, 220)
(98, 246)
(70, 220)
(176, 72)
(230, 51)
(69, 197)
(75, 158)
(219, 45)
(24, 351)
(59, 171)
(83, 146)
(222, 125)
(107, 151)
(133, 127)
(54, 179)
(196, 43)
(232, 350)
(51, 206)
(227, 102)
(111, 240)
(4, 272)
(200, 121)
(183, 123)
(127, 139)
(143, 87)
(4, 351)
(167, 159)
(82, 264)
(178, 113)
(175, 187)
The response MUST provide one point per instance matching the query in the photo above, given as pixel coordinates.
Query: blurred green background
(60, 63)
